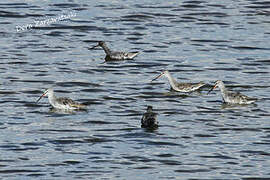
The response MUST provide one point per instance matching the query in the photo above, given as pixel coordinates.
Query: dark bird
(149, 119)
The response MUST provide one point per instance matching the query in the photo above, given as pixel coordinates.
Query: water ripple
(198, 134)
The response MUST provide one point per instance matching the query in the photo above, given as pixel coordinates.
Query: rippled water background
(198, 137)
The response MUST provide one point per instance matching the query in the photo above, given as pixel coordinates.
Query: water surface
(198, 138)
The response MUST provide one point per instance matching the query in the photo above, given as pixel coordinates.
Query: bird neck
(106, 49)
(51, 97)
(172, 81)
(222, 88)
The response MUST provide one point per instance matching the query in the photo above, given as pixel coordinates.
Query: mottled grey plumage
(180, 87)
(61, 102)
(230, 96)
(149, 119)
(115, 55)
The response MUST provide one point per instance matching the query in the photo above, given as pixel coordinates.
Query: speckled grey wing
(131, 55)
(69, 102)
(122, 55)
(190, 86)
(65, 101)
(198, 85)
(116, 56)
(240, 97)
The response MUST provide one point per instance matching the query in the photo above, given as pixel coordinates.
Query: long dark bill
(40, 97)
(94, 47)
(157, 77)
(211, 89)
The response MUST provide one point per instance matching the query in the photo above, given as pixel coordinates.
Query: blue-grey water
(198, 136)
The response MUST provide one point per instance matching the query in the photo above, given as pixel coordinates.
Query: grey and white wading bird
(231, 97)
(61, 102)
(115, 55)
(149, 119)
(180, 87)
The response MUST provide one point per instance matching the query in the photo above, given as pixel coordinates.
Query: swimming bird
(61, 102)
(180, 87)
(115, 55)
(149, 119)
(231, 97)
